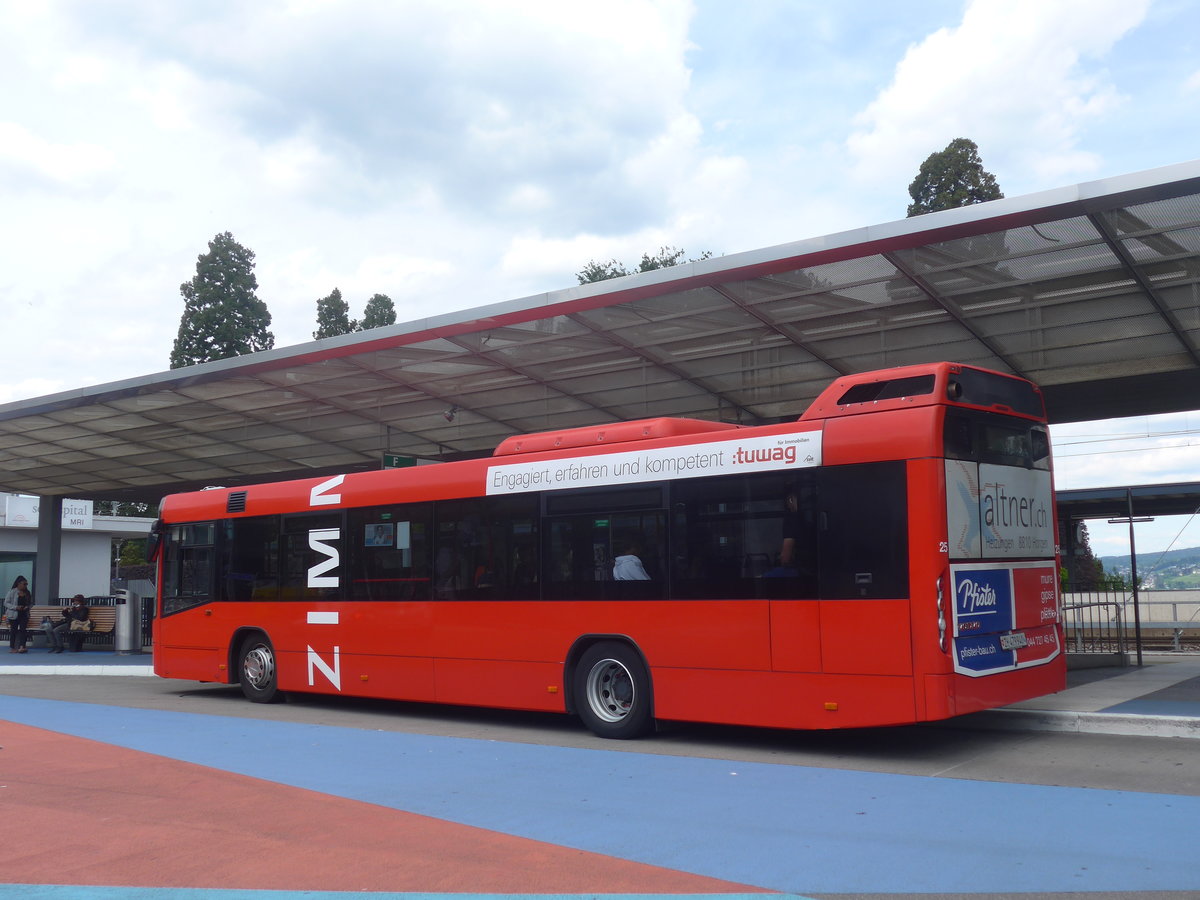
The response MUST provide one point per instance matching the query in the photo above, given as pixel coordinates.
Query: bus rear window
(991, 438)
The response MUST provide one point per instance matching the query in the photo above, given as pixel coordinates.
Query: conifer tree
(664, 258)
(379, 311)
(333, 316)
(952, 178)
(222, 315)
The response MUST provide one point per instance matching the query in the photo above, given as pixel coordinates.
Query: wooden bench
(103, 618)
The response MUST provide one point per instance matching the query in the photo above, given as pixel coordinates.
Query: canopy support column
(49, 550)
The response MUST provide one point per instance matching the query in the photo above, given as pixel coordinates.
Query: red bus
(888, 558)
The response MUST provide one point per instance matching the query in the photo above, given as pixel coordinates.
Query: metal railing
(1104, 622)
(1169, 624)
(1095, 626)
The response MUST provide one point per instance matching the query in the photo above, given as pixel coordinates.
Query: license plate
(1014, 641)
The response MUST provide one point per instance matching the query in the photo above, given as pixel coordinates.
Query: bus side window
(738, 537)
(864, 531)
(188, 567)
(313, 557)
(391, 552)
(250, 559)
(577, 557)
(586, 530)
(636, 547)
(487, 549)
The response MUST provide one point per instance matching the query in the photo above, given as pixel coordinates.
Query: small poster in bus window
(379, 535)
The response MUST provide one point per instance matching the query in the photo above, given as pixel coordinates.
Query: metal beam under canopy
(1091, 291)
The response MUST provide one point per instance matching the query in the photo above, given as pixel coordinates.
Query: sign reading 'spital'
(22, 512)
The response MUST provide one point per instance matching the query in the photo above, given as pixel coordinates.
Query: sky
(457, 153)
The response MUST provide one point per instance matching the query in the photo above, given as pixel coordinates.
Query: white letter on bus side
(318, 497)
(316, 575)
(334, 674)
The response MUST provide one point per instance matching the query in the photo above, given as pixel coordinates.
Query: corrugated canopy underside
(1093, 292)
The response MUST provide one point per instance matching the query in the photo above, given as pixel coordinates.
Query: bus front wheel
(612, 691)
(258, 674)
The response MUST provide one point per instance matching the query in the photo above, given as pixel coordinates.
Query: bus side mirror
(154, 540)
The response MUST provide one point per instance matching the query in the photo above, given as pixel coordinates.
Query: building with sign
(85, 563)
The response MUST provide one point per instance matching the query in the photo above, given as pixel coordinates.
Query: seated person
(628, 567)
(77, 611)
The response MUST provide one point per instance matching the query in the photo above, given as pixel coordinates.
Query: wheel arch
(234, 652)
(581, 646)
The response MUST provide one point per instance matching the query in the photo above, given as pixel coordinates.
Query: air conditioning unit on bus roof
(612, 433)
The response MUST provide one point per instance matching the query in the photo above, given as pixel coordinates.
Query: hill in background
(1172, 570)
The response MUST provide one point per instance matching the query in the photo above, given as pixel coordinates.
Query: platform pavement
(280, 814)
(89, 661)
(1160, 698)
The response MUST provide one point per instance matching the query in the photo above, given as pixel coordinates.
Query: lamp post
(117, 543)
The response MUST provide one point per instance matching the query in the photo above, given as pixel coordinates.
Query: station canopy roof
(1119, 502)
(1092, 291)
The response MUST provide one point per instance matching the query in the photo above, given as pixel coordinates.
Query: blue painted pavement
(83, 892)
(785, 828)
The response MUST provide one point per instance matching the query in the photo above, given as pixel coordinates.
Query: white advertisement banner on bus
(998, 512)
(738, 456)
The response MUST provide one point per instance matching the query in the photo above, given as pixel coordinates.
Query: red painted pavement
(75, 811)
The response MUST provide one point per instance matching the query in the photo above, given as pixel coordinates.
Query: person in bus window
(16, 606)
(791, 524)
(628, 567)
(444, 573)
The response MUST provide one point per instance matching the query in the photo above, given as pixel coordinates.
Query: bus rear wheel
(612, 691)
(258, 673)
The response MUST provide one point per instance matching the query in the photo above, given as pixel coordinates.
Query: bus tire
(612, 693)
(258, 672)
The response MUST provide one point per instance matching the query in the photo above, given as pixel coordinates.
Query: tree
(664, 258)
(952, 178)
(333, 316)
(128, 552)
(595, 271)
(222, 315)
(123, 509)
(1084, 571)
(379, 311)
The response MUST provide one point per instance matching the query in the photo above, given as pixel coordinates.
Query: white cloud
(454, 153)
(1157, 449)
(1161, 449)
(297, 165)
(70, 164)
(1019, 77)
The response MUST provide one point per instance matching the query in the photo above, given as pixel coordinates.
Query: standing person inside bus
(628, 567)
(791, 531)
(791, 527)
(16, 607)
